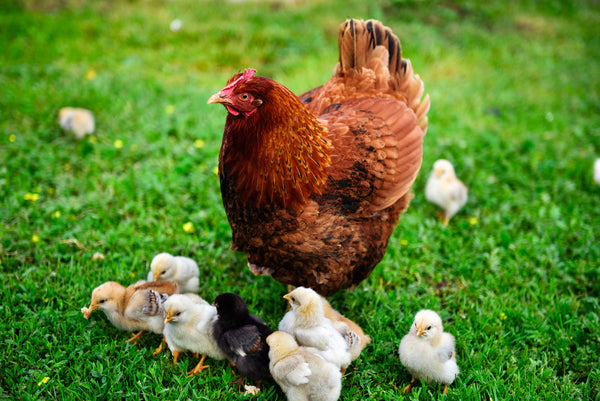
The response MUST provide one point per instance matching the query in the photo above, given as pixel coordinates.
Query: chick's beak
(438, 172)
(218, 98)
(168, 317)
(287, 296)
(420, 330)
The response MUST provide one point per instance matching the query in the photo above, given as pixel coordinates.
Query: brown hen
(314, 185)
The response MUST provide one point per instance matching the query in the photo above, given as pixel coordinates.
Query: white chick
(188, 327)
(427, 352)
(135, 308)
(78, 121)
(166, 267)
(445, 190)
(597, 171)
(300, 371)
(354, 335)
(309, 326)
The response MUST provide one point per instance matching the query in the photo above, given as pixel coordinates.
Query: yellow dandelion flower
(473, 221)
(403, 242)
(170, 109)
(503, 316)
(92, 139)
(199, 143)
(132, 275)
(216, 170)
(90, 74)
(189, 227)
(27, 196)
(12, 138)
(56, 214)
(51, 191)
(35, 238)
(44, 381)
(46, 300)
(118, 144)
(35, 197)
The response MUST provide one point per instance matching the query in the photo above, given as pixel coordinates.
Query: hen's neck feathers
(277, 155)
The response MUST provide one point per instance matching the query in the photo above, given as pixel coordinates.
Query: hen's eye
(244, 96)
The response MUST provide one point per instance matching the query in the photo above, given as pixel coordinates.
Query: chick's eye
(428, 327)
(178, 313)
(102, 301)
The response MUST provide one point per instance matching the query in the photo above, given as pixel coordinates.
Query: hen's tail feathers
(357, 43)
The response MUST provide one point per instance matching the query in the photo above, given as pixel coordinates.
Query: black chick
(242, 337)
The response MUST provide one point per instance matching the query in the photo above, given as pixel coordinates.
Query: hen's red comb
(248, 73)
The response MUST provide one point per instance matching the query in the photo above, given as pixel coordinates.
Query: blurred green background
(514, 89)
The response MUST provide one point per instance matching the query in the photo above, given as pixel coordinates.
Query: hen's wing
(378, 149)
(243, 341)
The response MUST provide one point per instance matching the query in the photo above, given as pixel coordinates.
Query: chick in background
(445, 190)
(79, 122)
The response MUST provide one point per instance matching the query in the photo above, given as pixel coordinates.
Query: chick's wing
(293, 369)
(243, 341)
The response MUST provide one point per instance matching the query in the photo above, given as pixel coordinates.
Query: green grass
(515, 103)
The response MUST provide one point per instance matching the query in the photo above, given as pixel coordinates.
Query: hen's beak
(218, 98)
(168, 317)
(287, 296)
(420, 330)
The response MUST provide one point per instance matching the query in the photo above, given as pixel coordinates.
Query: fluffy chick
(445, 190)
(301, 373)
(427, 352)
(188, 327)
(354, 335)
(78, 121)
(135, 308)
(166, 267)
(242, 337)
(309, 326)
(597, 171)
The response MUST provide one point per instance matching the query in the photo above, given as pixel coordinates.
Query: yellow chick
(354, 335)
(300, 372)
(166, 267)
(135, 308)
(188, 327)
(309, 326)
(445, 190)
(427, 352)
(78, 121)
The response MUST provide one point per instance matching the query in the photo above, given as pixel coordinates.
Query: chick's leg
(408, 387)
(199, 367)
(175, 356)
(160, 347)
(445, 389)
(136, 337)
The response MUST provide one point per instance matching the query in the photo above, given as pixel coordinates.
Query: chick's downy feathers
(78, 121)
(313, 185)
(300, 372)
(189, 327)
(428, 352)
(183, 270)
(241, 336)
(309, 326)
(445, 190)
(135, 308)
